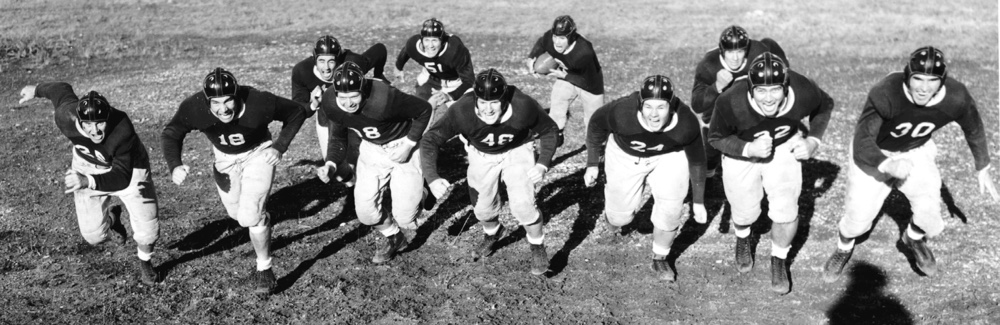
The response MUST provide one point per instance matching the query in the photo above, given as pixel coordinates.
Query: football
(545, 63)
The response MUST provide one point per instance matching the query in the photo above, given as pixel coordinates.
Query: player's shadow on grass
(332, 248)
(865, 300)
(559, 195)
(453, 166)
(301, 200)
(817, 178)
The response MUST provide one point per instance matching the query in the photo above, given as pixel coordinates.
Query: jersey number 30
(921, 130)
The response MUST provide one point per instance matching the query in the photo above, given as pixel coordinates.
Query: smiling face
(431, 45)
(560, 43)
(734, 58)
(488, 110)
(923, 87)
(656, 113)
(349, 102)
(224, 108)
(768, 98)
(94, 130)
(325, 65)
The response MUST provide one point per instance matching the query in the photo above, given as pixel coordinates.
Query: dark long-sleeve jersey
(305, 78)
(452, 62)
(245, 132)
(704, 93)
(620, 120)
(523, 121)
(119, 152)
(891, 121)
(385, 114)
(582, 68)
(737, 120)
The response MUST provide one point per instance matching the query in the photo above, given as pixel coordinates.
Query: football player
(892, 147)
(390, 123)
(313, 75)
(446, 64)
(498, 124)
(109, 160)
(655, 141)
(579, 75)
(756, 126)
(717, 70)
(235, 120)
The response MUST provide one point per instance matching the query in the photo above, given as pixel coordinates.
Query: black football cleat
(485, 247)
(539, 260)
(922, 255)
(388, 248)
(779, 276)
(147, 273)
(835, 265)
(744, 255)
(663, 270)
(263, 281)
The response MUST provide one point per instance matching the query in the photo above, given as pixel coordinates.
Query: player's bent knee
(619, 218)
(526, 219)
(95, 237)
(853, 228)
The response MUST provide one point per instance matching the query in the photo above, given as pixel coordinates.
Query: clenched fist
(179, 174)
(439, 187)
(590, 176)
(760, 147)
(722, 79)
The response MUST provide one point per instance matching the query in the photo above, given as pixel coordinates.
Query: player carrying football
(108, 160)
(390, 124)
(756, 126)
(579, 75)
(235, 119)
(446, 64)
(717, 70)
(892, 147)
(655, 141)
(498, 125)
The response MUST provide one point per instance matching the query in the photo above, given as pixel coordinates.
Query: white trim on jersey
(784, 108)
(934, 100)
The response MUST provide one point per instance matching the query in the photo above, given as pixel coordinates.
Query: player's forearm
(117, 179)
(402, 58)
(428, 159)
(703, 97)
(866, 151)
(821, 118)
(420, 122)
(975, 135)
(697, 169)
(547, 146)
(172, 140)
(538, 48)
(58, 92)
(292, 116)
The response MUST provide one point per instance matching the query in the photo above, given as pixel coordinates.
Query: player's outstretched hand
(440, 187)
(402, 152)
(323, 172)
(530, 64)
(986, 184)
(804, 149)
(271, 156)
(700, 215)
(75, 181)
(590, 176)
(536, 173)
(898, 168)
(399, 75)
(179, 174)
(760, 147)
(722, 79)
(27, 93)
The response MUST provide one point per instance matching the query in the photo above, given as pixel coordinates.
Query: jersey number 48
(500, 139)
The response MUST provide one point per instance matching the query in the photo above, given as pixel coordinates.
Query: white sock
(264, 264)
(491, 231)
(742, 233)
(391, 230)
(845, 246)
(779, 252)
(913, 234)
(660, 250)
(536, 241)
(143, 255)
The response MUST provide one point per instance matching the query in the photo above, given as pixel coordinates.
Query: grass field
(147, 56)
